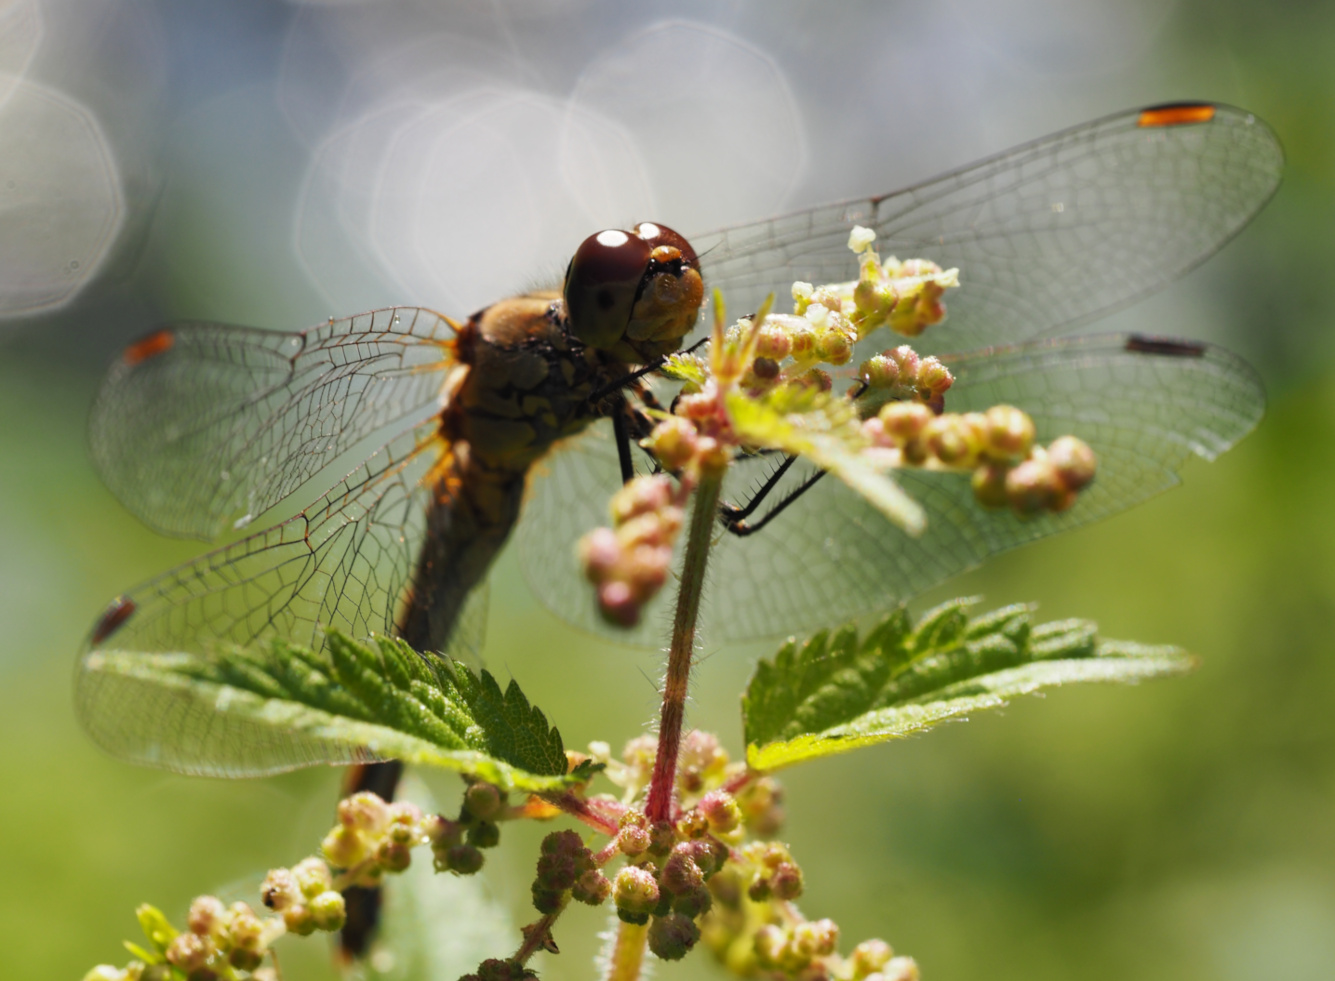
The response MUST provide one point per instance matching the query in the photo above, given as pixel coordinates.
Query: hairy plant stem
(627, 958)
(537, 935)
(682, 652)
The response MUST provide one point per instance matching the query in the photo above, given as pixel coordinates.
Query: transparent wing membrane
(1047, 236)
(831, 556)
(201, 426)
(343, 562)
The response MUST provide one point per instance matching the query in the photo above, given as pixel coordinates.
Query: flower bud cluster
(1009, 468)
(773, 872)
(236, 936)
(702, 764)
(567, 866)
(668, 883)
(219, 941)
(753, 929)
(792, 948)
(373, 837)
(496, 969)
(629, 562)
(905, 296)
(456, 846)
(761, 804)
(305, 897)
(901, 374)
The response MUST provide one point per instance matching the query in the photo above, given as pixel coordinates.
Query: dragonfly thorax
(529, 382)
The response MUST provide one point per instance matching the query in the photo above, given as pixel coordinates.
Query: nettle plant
(677, 840)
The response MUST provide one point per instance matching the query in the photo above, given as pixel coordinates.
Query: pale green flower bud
(833, 347)
(1009, 435)
(328, 911)
(299, 920)
(312, 876)
(484, 800)
(870, 956)
(952, 440)
(345, 847)
(989, 485)
(635, 890)
(363, 811)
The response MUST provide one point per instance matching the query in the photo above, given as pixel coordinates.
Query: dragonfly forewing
(1047, 236)
(200, 427)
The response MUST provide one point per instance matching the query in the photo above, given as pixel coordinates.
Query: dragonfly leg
(734, 519)
(621, 431)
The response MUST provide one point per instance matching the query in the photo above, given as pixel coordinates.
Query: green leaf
(827, 430)
(243, 711)
(836, 692)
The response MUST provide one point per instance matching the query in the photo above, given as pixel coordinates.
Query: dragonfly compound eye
(636, 294)
(601, 284)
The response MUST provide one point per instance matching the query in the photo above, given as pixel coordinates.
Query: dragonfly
(443, 431)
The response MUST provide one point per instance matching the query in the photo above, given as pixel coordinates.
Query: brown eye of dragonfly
(601, 284)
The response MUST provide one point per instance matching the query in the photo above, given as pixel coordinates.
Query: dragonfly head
(635, 294)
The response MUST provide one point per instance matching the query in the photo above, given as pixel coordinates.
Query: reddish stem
(676, 684)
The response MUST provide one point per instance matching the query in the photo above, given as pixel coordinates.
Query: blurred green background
(1180, 830)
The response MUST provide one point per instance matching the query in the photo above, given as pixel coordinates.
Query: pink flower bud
(773, 343)
(1030, 486)
(280, 890)
(934, 378)
(642, 495)
(1074, 461)
(907, 359)
(599, 554)
(207, 916)
(671, 937)
(904, 422)
(189, 952)
(617, 604)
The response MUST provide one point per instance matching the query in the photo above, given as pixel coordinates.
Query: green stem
(680, 655)
(627, 958)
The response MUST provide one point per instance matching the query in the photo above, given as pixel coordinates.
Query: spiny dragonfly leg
(734, 519)
(629, 426)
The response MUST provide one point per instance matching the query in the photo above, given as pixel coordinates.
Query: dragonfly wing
(343, 562)
(1047, 236)
(201, 427)
(1146, 407)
